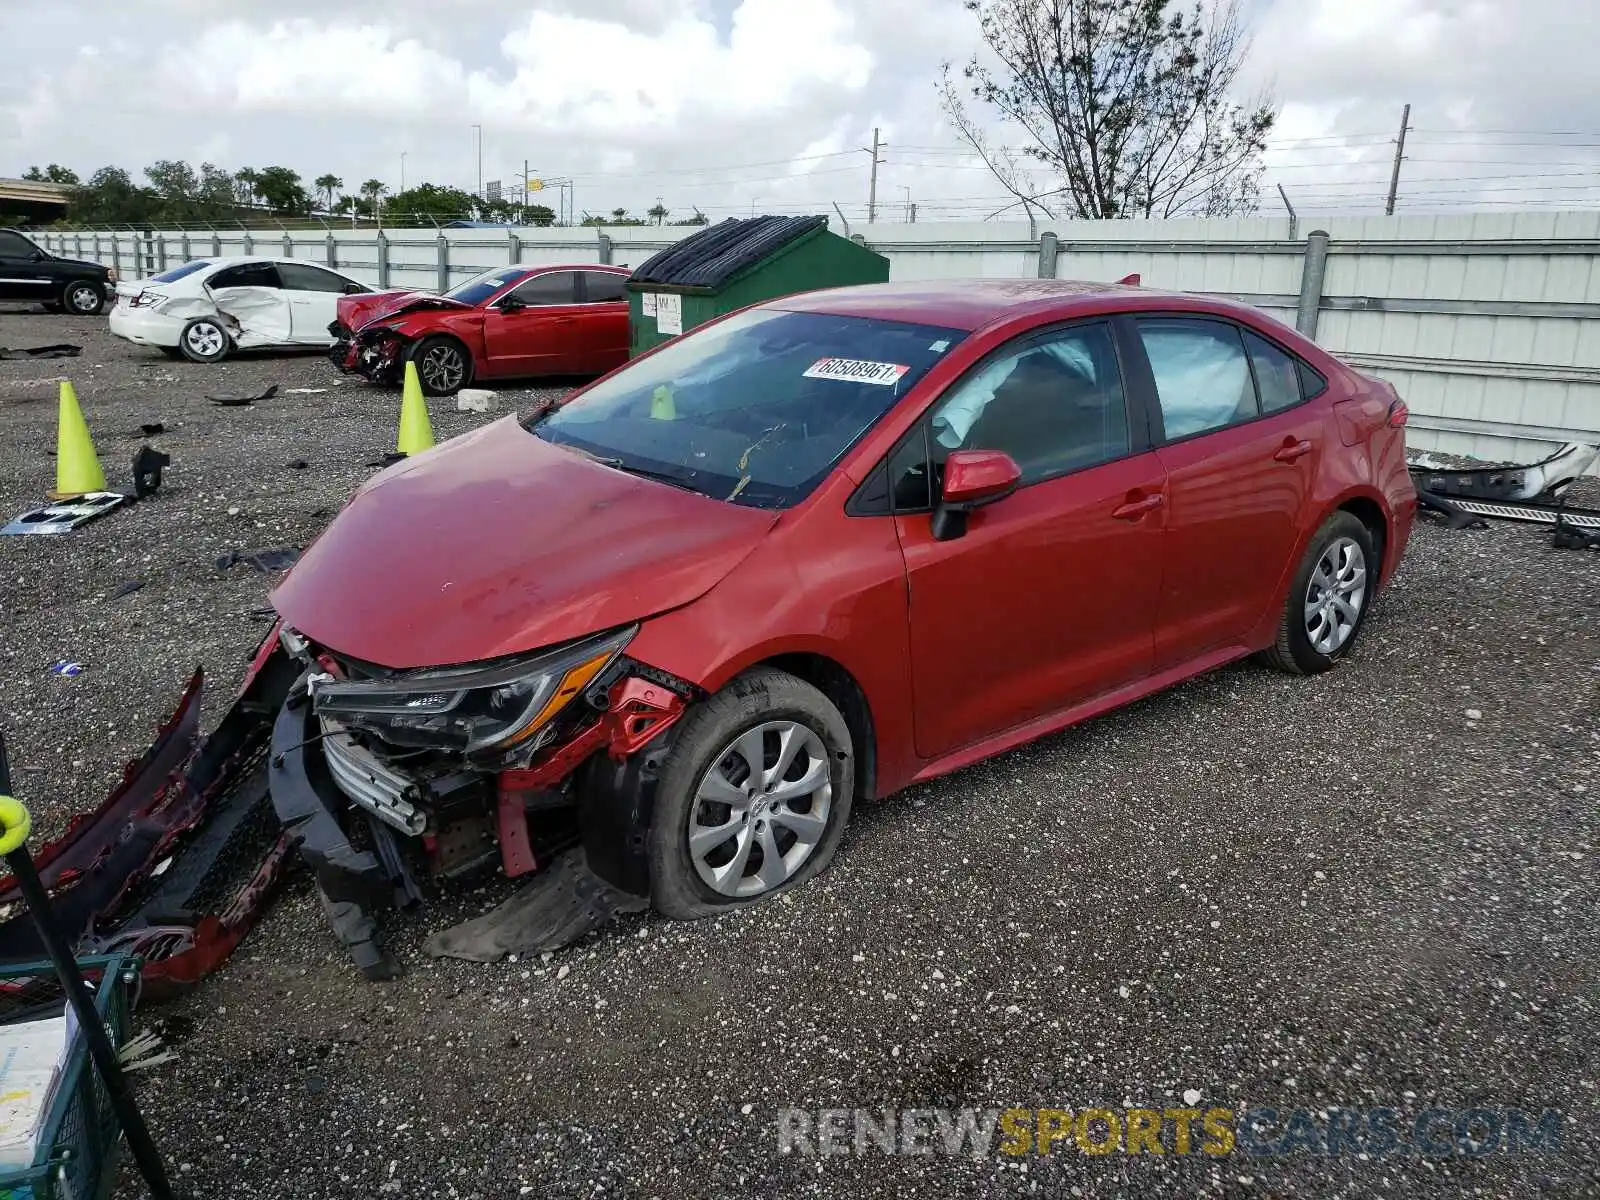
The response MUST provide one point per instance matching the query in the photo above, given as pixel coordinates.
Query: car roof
(973, 303)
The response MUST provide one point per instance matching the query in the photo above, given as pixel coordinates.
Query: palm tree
(373, 190)
(659, 212)
(328, 185)
(618, 214)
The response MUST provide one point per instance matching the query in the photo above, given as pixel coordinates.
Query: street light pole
(479, 130)
(402, 170)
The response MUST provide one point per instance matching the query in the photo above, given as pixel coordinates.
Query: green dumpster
(738, 262)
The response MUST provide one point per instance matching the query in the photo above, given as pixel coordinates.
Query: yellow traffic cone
(416, 432)
(77, 469)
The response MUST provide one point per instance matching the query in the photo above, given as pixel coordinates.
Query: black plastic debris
(262, 560)
(65, 515)
(297, 464)
(57, 351)
(717, 253)
(127, 589)
(147, 465)
(242, 401)
(153, 428)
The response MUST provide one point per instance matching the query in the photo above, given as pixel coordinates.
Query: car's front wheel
(443, 367)
(1328, 599)
(754, 796)
(204, 340)
(82, 298)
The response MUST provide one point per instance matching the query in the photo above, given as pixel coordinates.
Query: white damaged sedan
(206, 309)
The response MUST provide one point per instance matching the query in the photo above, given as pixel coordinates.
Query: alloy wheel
(205, 339)
(761, 809)
(442, 368)
(1335, 595)
(84, 298)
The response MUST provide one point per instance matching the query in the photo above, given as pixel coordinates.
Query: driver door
(313, 294)
(1049, 597)
(532, 329)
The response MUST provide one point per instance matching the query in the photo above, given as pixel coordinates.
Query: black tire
(1295, 651)
(443, 365)
(704, 741)
(82, 298)
(204, 340)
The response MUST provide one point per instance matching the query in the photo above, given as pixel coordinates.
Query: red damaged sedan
(652, 645)
(508, 323)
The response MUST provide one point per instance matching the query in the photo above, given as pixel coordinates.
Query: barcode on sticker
(856, 371)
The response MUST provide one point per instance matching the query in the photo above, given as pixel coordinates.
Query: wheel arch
(846, 694)
(1370, 513)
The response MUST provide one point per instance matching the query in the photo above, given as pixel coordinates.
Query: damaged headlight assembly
(502, 710)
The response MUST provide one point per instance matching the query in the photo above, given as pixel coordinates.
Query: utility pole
(479, 130)
(872, 191)
(1399, 153)
(402, 170)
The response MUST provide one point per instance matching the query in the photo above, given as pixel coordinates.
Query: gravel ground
(1373, 888)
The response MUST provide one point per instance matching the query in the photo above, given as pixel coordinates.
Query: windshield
(480, 287)
(755, 409)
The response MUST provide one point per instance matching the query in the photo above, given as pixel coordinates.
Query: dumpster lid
(717, 253)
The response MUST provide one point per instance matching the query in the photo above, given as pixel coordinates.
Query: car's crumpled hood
(496, 543)
(357, 312)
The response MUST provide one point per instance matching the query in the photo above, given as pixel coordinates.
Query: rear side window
(1277, 374)
(1202, 376)
(603, 286)
(298, 277)
(177, 273)
(260, 274)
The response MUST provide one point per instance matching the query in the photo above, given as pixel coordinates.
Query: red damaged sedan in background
(666, 634)
(507, 323)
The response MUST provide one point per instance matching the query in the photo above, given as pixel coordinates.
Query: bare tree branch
(1128, 102)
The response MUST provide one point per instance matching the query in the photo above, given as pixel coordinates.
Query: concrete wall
(1485, 322)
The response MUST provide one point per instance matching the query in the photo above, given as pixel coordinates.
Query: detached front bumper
(375, 355)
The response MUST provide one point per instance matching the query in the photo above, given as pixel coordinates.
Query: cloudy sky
(734, 105)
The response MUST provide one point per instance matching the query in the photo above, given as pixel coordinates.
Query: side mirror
(972, 478)
(38, 256)
(511, 304)
(354, 289)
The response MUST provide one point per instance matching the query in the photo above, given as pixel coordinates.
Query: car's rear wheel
(754, 796)
(1329, 598)
(82, 298)
(204, 340)
(443, 365)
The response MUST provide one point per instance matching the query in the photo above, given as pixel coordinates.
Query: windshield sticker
(855, 371)
(940, 346)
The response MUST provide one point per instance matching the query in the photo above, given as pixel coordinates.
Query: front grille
(369, 781)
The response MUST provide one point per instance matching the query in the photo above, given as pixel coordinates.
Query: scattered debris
(297, 464)
(242, 401)
(476, 400)
(153, 428)
(57, 351)
(1505, 491)
(67, 670)
(147, 465)
(262, 560)
(1568, 535)
(127, 589)
(65, 515)
(304, 391)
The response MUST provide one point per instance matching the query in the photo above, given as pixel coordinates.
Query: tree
(54, 173)
(429, 202)
(280, 187)
(110, 197)
(328, 185)
(658, 213)
(538, 214)
(246, 184)
(699, 218)
(1129, 105)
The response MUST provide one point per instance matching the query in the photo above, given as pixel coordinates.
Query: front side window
(755, 409)
(298, 277)
(258, 274)
(554, 287)
(1202, 378)
(1054, 403)
(480, 287)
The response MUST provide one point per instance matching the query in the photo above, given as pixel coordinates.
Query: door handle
(1292, 451)
(1132, 510)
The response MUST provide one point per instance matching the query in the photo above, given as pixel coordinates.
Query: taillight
(1398, 412)
(146, 300)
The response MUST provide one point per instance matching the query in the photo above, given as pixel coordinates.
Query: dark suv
(29, 272)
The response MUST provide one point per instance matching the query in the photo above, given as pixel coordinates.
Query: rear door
(602, 337)
(1240, 452)
(1048, 597)
(536, 334)
(252, 295)
(22, 273)
(313, 294)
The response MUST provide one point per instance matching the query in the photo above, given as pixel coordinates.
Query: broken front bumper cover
(375, 353)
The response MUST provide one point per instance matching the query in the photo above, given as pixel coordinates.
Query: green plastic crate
(77, 1154)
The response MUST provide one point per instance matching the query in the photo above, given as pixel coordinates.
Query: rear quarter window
(177, 273)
